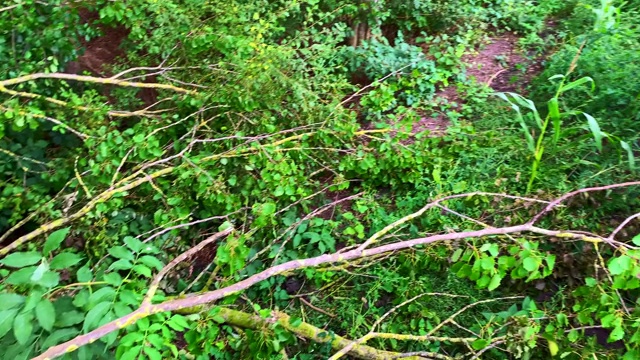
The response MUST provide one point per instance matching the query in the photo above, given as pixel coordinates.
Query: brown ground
(102, 52)
(495, 66)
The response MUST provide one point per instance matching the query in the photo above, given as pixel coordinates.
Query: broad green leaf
(225, 225)
(95, 315)
(616, 334)
(156, 340)
(54, 240)
(152, 353)
(142, 270)
(121, 252)
(84, 274)
(106, 293)
(132, 353)
(553, 347)
(131, 338)
(22, 276)
(23, 327)
(70, 318)
(113, 278)
(530, 264)
(180, 320)
(636, 240)
(6, 320)
(268, 208)
(46, 314)
(619, 265)
(483, 281)
(134, 244)
(59, 336)
(479, 344)
(152, 262)
(495, 282)
(595, 130)
(456, 255)
(39, 272)
(21, 259)
(10, 301)
(121, 264)
(65, 260)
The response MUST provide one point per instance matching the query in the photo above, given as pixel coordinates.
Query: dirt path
(499, 65)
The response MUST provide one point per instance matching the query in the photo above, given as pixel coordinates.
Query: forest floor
(498, 64)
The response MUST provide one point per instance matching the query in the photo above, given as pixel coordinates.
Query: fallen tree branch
(92, 79)
(208, 297)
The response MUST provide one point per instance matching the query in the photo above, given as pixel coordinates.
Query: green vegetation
(303, 179)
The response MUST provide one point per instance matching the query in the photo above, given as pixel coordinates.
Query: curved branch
(566, 196)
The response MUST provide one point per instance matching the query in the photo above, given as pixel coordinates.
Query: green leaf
(530, 264)
(131, 338)
(10, 301)
(59, 336)
(142, 270)
(225, 225)
(576, 83)
(113, 278)
(22, 276)
(619, 265)
(152, 262)
(133, 244)
(495, 282)
(595, 130)
(636, 240)
(553, 347)
(554, 114)
(156, 340)
(84, 274)
(483, 281)
(616, 334)
(132, 353)
(152, 353)
(95, 315)
(121, 264)
(23, 327)
(46, 314)
(70, 318)
(54, 240)
(590, 282)
(105, 294)
(21, 259)
(6, 321)
(180, 320)
(268, 208)
(479, 344)
(38, 274)
(121, 252)
(631, 159)
(65, 260)
(456, 255)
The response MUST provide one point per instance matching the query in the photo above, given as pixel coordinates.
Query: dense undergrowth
(262, 120)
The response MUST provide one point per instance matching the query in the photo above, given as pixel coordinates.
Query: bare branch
(180, 258)
(564, 197)
(91, 79)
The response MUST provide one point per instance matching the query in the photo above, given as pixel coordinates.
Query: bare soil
(498, 65)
